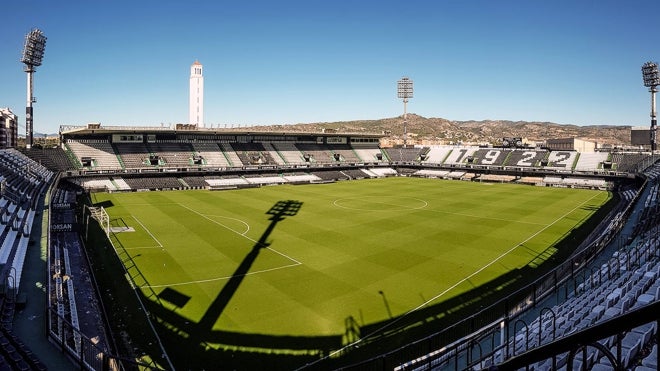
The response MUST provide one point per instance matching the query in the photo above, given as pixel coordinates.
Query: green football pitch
(299, 260)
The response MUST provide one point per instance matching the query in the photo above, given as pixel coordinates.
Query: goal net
(100, 215)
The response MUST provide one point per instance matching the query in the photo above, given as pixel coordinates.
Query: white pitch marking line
(247, 226)
(462, 280)
(218, 223)
(240, 234)
(221, 278)
(149, 232)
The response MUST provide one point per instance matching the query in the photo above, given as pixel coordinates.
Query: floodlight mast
(405, 91)
(651, 77)
(33, 53)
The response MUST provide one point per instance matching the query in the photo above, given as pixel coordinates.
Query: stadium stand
(153, 183)
(55, 159)
(574, 182)
(460, 155)
(531, 180)
(330, 175)
(273, 153)
(526, 158)
(96, 184)
(431, 173)
(404, 155)
(23, 184)
(629, 162)
(564, 160)
(99, 153)
(383, 171)
(232, 157)
(264, 179)
(233, 182)
(437, 154)
(496, 178)
(252, 154)
(491, 156)
(591, 161)
(172, 154)
(211, 154)
(370, 155)
(355, 174)
(120, 184)
(133, 155)
(606, 293)
(301, 178)
(194, 182)
(317, 153)
(344, 153)
(289, 153)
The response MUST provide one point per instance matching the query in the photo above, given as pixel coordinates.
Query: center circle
(380, 203)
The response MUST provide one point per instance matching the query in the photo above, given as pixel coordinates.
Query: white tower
(196, 115)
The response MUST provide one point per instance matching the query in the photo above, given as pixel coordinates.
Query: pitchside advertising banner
(63, 205)
(65, 227)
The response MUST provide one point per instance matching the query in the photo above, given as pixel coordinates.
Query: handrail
(571, 343)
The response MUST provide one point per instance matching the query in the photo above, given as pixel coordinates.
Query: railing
(589, 337)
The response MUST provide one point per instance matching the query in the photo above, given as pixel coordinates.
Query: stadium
(202, 248)
(184, 246)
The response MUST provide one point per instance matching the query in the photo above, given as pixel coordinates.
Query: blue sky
(281, 62)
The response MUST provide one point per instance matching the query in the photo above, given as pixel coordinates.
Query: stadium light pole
(405, 90)
(33, 53)
(651, 78)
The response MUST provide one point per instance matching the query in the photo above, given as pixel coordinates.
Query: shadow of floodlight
(278, 212)
(387, 304)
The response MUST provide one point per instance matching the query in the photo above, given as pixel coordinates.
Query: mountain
(442, 131)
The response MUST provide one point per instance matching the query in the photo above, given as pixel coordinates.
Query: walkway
(29, 323)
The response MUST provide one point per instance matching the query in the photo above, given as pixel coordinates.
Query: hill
(442, 131)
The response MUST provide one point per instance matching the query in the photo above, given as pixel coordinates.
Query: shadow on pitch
(184, 338)
(278, 212)
(105, 204)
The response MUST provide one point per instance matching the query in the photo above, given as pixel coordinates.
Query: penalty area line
(222, 278)
(148, 231)
(239, 233)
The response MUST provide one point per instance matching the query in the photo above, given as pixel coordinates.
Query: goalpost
(99, 214)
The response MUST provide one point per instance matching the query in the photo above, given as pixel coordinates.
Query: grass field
(300, 260)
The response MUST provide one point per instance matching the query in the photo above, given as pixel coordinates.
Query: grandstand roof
(95, 129)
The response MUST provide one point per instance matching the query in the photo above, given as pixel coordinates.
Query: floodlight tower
(404, 90)
(652, 80)
(33, 53)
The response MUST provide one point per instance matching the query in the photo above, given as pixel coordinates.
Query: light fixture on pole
(651, 78)
(405, 90)
(33, 53)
